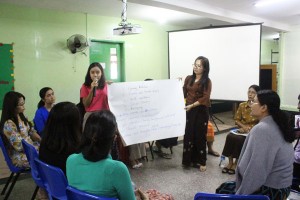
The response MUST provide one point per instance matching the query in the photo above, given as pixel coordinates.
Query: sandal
(213, 153)
(164, 155)
(225, 170)
(231, 171)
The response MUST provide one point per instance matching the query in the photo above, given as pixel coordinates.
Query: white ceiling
(282, 15)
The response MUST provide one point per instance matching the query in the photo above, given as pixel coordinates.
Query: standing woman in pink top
(94, 91)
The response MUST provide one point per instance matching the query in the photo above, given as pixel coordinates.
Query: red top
(99, 102)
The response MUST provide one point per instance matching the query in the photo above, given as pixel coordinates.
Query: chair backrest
(208, 196)
(9, 163)
(31, 154)
(53, 178)
(75, 194)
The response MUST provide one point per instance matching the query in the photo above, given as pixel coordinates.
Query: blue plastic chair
(14, 170)
(75, 194)
(208, 196)
(53, 179)
(31, 154)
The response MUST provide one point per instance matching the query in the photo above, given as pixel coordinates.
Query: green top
(107, 177)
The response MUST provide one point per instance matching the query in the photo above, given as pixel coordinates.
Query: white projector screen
(233, 53)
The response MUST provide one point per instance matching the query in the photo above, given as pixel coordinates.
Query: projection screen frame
(235, 93)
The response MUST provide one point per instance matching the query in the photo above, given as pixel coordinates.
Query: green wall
(266, 47)
(42, 59)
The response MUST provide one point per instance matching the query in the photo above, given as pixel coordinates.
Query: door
(110, 55)
(268, 77)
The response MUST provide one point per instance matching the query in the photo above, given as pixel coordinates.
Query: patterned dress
(234, 143)
(14, 137)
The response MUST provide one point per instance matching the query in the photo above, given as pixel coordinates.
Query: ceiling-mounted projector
(127, 30)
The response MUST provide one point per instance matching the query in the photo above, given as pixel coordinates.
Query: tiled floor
(165, 175)
(168, 176)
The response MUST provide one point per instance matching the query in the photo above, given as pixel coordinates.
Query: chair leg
(35, 192)
(151, 150)
(12, 186)
(171, 149)
(7, 183)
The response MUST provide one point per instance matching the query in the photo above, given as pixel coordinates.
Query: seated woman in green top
(93, 170)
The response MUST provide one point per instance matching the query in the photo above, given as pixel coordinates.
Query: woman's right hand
(245, 129)
(94, 83)
(141, 195)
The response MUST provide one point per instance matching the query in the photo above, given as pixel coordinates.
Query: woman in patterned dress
(244, 121)
(15, 127)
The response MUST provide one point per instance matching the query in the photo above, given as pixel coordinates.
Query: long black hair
(62, 130)
(272, 101)
(98, 135)
(88, 79)
(10, 104)
(42, 94)
(204, 79)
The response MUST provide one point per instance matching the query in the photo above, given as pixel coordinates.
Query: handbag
(226, 188)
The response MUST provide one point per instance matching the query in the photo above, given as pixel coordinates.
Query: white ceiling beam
(204, 10)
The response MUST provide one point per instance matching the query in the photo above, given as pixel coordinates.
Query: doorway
(268, 77)
(110, 55)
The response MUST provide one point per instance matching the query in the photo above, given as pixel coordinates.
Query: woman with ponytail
(266, 162)
(44, 106)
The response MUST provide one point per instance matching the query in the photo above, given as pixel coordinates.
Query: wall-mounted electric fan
(77, 43)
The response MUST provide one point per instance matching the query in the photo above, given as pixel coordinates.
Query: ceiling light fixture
(266, 3)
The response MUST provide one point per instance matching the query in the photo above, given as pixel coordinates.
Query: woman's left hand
(245, 129)
(35, 137)
(109, 82)
(188, 107)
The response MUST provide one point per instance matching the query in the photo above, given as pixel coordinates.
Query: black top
(52, 158)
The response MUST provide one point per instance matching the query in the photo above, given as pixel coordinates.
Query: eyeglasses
(252, 92)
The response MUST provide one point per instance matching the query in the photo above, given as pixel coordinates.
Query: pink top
(99, 102)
